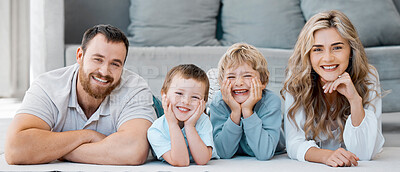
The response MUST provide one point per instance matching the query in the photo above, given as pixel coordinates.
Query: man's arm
(30, 141)
(127, 146)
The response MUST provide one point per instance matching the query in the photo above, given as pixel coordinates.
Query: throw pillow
(173, 22)
(377, 22)
(397, 3)
(157, 105)
(262, 23)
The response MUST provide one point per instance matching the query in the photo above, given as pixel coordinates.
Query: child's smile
(183, 109)
(185, 96)
(240, 78)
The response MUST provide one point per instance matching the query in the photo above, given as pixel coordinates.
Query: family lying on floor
(97, 112)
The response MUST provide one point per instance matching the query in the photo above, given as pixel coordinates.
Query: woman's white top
(365, 140)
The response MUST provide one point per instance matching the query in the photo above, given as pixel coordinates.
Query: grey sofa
(153, 61)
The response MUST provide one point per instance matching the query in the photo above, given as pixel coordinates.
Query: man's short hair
(187, 71)
(111, 33)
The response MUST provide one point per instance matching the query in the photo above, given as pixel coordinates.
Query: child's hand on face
(254, 97)
(226, 90)
(191, 122)
(169, 114)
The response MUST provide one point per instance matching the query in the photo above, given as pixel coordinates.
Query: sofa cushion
(82, 15)
(386, 60)
(267, 23)
(397, 3)
(173, 22)
(391, 96)
(377, 22)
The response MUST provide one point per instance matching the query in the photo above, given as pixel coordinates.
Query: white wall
(14, 47)
(47, 36)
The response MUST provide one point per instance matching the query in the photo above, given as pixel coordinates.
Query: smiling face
(101, 66)
(330, 54)
(240, 78)
(185, 96)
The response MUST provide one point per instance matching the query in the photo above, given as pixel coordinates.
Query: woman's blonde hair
(241, 53)
(302, 82)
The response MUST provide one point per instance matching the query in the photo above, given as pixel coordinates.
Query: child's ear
(264, 86)
(163, 95)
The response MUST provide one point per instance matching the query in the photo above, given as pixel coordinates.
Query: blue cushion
(377, 21)
(397, 4)
(157, 105)
(262, 23)
(173, 22)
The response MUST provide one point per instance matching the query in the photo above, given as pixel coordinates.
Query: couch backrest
(81, 15)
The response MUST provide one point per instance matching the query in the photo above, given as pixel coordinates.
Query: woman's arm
(298, 147)
(337, 158)
(296, 143)
(366, 139)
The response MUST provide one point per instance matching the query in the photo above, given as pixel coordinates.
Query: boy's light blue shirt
(257, 135)
(160, 140)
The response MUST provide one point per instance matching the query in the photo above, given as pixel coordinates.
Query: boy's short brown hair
(240, 53)
(187, 71)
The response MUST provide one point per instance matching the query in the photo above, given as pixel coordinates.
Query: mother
(332, 96)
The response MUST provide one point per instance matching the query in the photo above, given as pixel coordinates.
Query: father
(92, 112)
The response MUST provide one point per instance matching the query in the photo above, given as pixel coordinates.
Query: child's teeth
(183, 109)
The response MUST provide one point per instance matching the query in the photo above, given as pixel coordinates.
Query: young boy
(246, 117)
(184, 133)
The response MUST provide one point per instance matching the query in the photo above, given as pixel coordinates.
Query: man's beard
(96, 92)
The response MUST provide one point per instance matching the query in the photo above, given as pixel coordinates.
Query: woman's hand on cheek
(191, 122)
(169, 114)
(254, 97)
(344, 85)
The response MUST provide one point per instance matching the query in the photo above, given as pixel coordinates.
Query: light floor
(390, 122)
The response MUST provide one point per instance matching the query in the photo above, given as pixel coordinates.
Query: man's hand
(96, 136)
(31, 141)
(127, 146)
(254, 97)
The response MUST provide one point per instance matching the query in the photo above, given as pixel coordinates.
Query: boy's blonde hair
(240, 53)
(187, 71)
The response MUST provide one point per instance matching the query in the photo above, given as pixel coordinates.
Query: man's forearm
(117, 149)
(35, 146)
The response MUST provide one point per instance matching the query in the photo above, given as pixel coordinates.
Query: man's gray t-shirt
(52, 98)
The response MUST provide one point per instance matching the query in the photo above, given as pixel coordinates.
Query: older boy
(246, 117)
